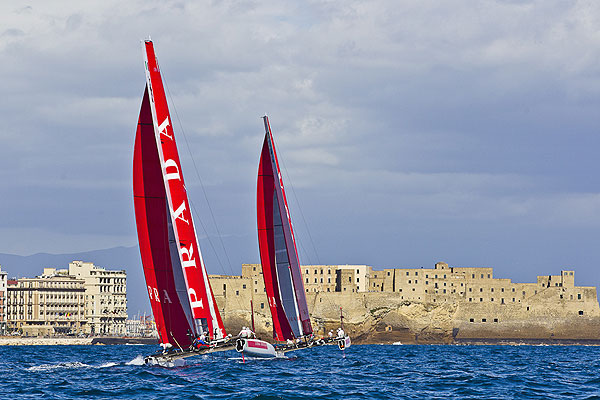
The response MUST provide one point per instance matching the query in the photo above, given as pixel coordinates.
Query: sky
(409, 132)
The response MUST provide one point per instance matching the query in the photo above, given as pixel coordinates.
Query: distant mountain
(127, 258)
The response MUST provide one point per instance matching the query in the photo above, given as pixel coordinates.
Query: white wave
(139, 360)
(62, 365)
(108, 364)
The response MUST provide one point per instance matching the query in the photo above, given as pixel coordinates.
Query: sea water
(360, 372)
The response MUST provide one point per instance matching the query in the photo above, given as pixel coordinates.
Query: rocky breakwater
(382, 318)
(368, 318)
(378, 317)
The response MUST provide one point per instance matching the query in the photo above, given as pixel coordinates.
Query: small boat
(280, 266)
(183, 304)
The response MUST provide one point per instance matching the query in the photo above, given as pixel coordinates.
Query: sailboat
(280, 265)
(183, 304)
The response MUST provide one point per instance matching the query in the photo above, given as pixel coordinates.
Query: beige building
(50, 304)
(479, 296)
(105, 297)
(2, 302)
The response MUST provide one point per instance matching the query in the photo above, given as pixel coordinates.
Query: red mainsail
(173, 219)
(278, 254)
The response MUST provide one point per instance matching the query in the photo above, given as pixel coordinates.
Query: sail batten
(278, 254)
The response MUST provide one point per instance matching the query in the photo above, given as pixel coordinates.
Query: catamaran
(280, 266)
(183, 304)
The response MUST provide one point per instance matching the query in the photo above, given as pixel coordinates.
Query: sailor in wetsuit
(200, 341)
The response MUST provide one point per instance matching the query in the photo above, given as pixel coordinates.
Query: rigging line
(324, 294)
(205, 197)
(299, 208)
(201, 185)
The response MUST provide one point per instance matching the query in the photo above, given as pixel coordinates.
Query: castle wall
(421, 305)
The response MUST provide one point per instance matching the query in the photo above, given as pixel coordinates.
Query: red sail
(204, 311)
(151, 217)
(278, 254)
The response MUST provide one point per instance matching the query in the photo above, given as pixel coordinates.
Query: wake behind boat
(183, 304)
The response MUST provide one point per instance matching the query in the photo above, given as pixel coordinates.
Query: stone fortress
(424, 305)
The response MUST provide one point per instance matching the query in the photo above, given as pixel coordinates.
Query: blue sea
(360, 372)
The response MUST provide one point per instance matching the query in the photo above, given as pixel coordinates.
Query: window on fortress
(483, 320)
(473, 276)
(315, 280)
(409, 281)
(471, 299)
(444, 290)
(244, 286)
(578, 296)
(306, 272)
(306, 280)
(495, 319)
(580, 312)
(321, 271)
(357, 279)
(357, 271)
(321, 280)
(388, 273)
(350, 279)
(492, 299)
(416, 281)
(406, 273)
(481, 276)
(471, 320)
(262, 305)
(328, 289)
(316, 272)
(427, 282)
(417, 273)
(328, 280)
(253, 268)
(426, 275)
(237, 292)
(481, 299)
(328, 272)
(513, 299)
(481, 289)
(444, 276)
(561, 296)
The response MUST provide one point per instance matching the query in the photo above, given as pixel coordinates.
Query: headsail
(189, 281)
(278, 255)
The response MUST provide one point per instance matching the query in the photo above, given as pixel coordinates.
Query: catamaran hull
(177, 359)
(344, 343)
(255, 348)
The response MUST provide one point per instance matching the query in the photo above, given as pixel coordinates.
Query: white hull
(255, 348)
(344, 343)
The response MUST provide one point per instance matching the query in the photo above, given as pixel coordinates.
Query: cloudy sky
(410, 132)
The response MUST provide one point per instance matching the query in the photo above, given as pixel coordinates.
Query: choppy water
(363, 372)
